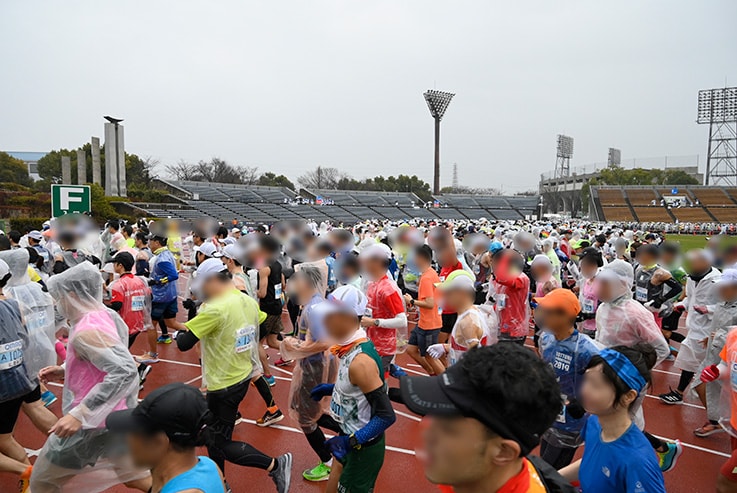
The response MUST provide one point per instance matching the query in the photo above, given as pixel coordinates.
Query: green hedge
(26, 224)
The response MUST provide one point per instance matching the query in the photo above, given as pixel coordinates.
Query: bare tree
(322, 178)
(181, 171)
(249, 175)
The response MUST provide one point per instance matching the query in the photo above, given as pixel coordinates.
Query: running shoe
(143, 371)
(270, 379)
(320, 472)
(48, 398)
(147, 358)
(397, 371)
(269, 418)
(673, 397)
(668, 460)
(281, 362)
(164, 339)
(282, 473)
(708, 430)
(25, 480)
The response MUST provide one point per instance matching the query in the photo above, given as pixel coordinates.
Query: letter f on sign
(67, 196)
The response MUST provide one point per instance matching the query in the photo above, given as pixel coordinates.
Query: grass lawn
(688, 242)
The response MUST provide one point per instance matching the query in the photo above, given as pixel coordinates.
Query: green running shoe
(320, 472)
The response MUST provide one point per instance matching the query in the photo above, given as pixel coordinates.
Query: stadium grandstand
(681, 203)
(191, 200)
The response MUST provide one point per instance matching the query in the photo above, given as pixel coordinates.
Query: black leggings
(223, 405)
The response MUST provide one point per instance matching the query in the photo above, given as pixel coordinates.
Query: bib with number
(588, 305)
(244, 339)
(641, 294)
(501, 301)
(11, 355)
(137, 303)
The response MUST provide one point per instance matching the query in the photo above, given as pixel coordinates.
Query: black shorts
(423, 339)
(165, 310)
(9, 410)
(449, 320)
(272, 325)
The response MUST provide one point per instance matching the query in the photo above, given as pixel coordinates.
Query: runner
(486, 414)
(590, 262)
(617, 456)
(226, 324)
(163, 287)
(359, 397)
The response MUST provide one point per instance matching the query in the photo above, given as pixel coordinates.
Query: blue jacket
(164, 276)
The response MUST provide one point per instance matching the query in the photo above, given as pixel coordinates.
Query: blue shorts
(423, 339)
(165, 310)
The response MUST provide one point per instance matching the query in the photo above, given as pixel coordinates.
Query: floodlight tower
(437, 102)
(563, 156)
(718, 108)
(614, 158)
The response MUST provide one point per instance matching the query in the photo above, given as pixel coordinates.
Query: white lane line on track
(192, 380)
(667, 372)
(281, 370)
(295, 430)
(183, 363)
(409, 416)
(696, 447)
(676, 405)
(423, 374)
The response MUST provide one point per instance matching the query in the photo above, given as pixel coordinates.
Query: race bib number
(336, 409)
(244, 339)
(277, 291)
(641, 294)
(11, 355)
(137, 303)
(588, 305)
(501, 301)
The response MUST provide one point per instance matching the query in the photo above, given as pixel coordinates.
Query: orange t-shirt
(729, 356)
(527, 481)
(429, 317)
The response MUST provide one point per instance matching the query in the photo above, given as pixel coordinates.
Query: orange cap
(560, 299)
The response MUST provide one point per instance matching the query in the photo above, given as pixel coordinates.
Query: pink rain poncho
(510, 292)
(623, 321)
(101, 377)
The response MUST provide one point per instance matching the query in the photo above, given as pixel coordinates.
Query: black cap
(125, 259)
(592, 254)
(452, 394)
(176, 409)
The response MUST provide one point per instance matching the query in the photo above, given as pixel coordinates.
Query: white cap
(377, 251)
(35, 235)
(229, 240)
(541, 259)
(233, 252)
(235, 230)
(208, 249)
(345, 299)
(205, 271)
(729, 276)
(4, 269)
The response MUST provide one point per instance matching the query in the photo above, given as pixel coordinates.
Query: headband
(624, 369)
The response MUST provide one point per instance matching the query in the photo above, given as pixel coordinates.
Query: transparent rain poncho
(16, 380)
(100, 378)
(471, 328)
(37, 309)
(311, 369)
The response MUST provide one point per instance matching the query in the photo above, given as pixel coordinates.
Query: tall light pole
(437, 102)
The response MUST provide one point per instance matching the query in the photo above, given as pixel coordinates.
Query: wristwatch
(353, 442)
(411, 302)
(376, 322)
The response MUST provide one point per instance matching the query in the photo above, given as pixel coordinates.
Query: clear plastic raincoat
(37, 309)
(101, 377)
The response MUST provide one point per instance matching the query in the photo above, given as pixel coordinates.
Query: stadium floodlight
(565, 146)
(437, 102)
(614, 158)
(718, 108)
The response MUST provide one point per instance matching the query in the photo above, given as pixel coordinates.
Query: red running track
(696, 471)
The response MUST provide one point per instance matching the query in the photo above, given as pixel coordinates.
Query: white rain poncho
(37, 309)
(311, 369)
(699, 325)
(100, 378)
(471, 329)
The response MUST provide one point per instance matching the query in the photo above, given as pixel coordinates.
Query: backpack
(554, 482)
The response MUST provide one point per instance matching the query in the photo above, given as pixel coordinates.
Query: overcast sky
(287, 85)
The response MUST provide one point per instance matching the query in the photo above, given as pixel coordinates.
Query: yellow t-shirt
(227, 327)
(33, 274)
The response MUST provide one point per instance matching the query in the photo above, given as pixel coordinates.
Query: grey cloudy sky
(286, 85)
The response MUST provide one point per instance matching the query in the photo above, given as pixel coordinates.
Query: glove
(575, 409)
(322, 390)
(188, 304)
(679, 307)
(436, 351)
(710, 373)
(152, 282)
(651, 306)
(338, 446)
(700, 309)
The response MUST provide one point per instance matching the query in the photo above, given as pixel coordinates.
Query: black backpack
(554, 482)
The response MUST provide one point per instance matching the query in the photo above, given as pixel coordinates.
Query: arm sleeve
(398, 322)
(116, 305)
(674, 291)
(204, 323)
(119, 382)
(382, 416)
(169, 271)
(186, 340)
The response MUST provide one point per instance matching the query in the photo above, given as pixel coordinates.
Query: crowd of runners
(603, 306)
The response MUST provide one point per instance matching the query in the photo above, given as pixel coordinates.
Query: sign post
(70, 199)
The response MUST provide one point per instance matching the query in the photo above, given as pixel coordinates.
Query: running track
(696, 470)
